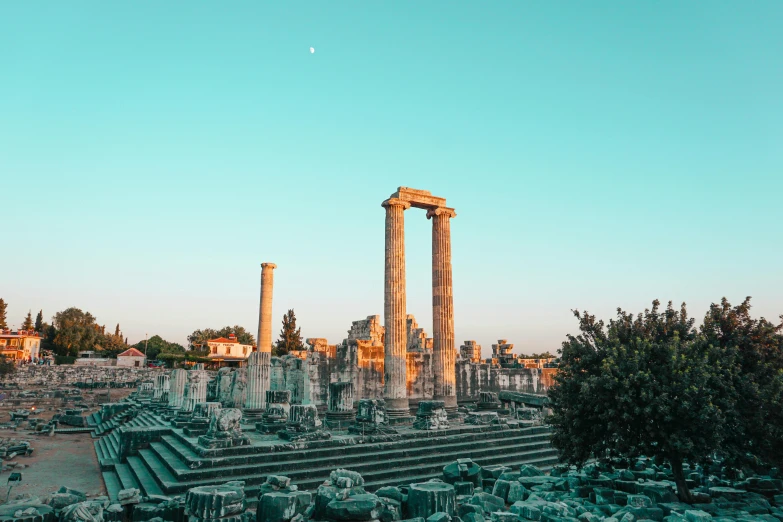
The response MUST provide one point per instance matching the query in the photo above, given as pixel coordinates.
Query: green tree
(290, 335)
(198, 339)
(75, 330)
(117, 330)
(3, 315)
(643, 385)
(7, 367)
(39, 324)
(156, 346)
(28, 321)
(755, 347)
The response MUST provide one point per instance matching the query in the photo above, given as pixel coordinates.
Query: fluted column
(264, 331)
(395, 341)
(443, 353)
(195, 389)
(257, 377)
(177, 388)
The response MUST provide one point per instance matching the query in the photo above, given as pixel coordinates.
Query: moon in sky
(312, 50)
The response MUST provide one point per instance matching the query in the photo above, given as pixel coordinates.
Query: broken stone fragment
(528, 470)
(464, 489)
(278, 481)
(391, 510)
(358, 507)
(501, 488)
(354, 476)
(503, 516)
(390, 492)
(487, 501)
(463, 470)
(207, 502)
(61, 500)
(638, 501)
(129, 496)
(282, 506)
(516, 492)
(697, 515)
(526, 511)
(472, 517)
(439, 517)
(428, 498)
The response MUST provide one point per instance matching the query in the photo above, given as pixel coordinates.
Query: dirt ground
(66, 459)
(62, 460)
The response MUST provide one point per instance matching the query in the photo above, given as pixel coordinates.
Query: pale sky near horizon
(598, 154)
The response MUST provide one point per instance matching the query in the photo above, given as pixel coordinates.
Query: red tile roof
(223, 340)
(133, 352)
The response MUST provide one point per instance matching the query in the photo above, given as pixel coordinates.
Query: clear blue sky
(598, 154)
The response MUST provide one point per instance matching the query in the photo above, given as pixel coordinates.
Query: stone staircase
(176, 463)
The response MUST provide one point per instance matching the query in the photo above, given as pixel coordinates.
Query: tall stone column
(260, 374)
(395, 343)
(443, 354)
(195, 389)
(255, 393)
(177, 388)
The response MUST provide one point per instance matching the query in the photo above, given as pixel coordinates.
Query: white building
(222, 350)
(131, 357)
(21, 345)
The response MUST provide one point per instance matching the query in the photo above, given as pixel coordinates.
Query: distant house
(131, 357)
(20, 345)
(229, 352)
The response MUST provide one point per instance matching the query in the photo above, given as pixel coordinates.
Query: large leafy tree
(198, 339)
(156, 346)
(290, 335)
(3, 315)
(75, 330)
(27, 324)
(755, 346)
(7, 367)
(643, 385)
(39, 324)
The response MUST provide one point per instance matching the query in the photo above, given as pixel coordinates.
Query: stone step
(543, 463)
(393, 474)
(350, 459)
(185, 448)
(99, 450)
(112, 483)
(146, 480)
(157, 466)
(170, 459)
(127, 480)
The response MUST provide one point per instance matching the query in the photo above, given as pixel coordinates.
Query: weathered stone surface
(210, 502)
(427, 498)
(464, 470)
(487, 501)
(431, 415)
(279, 506)
(357, 507)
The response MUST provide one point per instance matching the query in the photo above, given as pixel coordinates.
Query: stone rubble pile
(80, 376)
(467, 492)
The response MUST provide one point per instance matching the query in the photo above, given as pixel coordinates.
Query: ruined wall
(359, 359)
(421, 383)
(473, 378)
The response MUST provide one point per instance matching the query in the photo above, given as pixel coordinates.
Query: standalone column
(443, 353)
(395, 341)
(265, 330)
(195, 389)
(257, 385)
(177, 388)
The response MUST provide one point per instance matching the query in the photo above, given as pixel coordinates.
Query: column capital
(440, 211)
(268, 265)
(396, 202)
